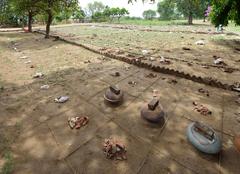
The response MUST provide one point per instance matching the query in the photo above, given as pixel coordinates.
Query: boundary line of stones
(156, 30)
(203, 64)
(191, 62)
(203, 80)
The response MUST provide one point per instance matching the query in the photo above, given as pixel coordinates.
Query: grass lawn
(232, 27)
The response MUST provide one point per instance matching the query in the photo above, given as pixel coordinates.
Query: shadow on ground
(45, 144)
(42, 142)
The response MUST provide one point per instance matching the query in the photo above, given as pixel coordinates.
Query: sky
(135, 9)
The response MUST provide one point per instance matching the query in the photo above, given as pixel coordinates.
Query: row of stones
(206, 80)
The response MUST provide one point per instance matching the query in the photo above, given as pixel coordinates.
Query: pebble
(218, 61)
(200, 42)
(61, 99)
(27, 62)
(186, 48)
(23, 57)
(44, 87)
(152, 59)
(144, 52)
(38, 75)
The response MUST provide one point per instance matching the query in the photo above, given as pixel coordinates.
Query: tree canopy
(95, 7)
(192, 8)
(149, 14)
(79, 14)
(28, 8)
(116, 12)
(225, 10)
(7, 14)
(167, 10)
(110, 14)
(54, 7)
(188, 8)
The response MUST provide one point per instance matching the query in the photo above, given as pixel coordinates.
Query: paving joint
(59, 146)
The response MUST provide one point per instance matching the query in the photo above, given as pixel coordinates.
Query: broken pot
(204, 138)
(153, 112)
(113, 95)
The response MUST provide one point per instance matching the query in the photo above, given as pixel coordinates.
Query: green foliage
(154, 22)
(26, 9)
(41, 18)
(79, 14)
(110, 14)
(232, 27)
(23, 7)
(115, 13)
(73, 11)
(188, 8)
(7, 167)
(58, 6)
(54, 7)
(132, 18)
(7, 15)
(64, 15)
(95, 7)
(131, 1)
(167, 10)
(225, 10)
(6, 140)
(149, 14)
(194, 7)
(99, 17)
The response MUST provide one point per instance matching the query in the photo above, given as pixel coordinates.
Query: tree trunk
(30, 17)
(190, 18)
(111, 20)
(49, 22)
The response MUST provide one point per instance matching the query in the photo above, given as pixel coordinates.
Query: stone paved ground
(47, 145)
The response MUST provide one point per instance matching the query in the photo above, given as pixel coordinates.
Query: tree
(189, 8)
(149, 14)
(54, 7)
(192, 8)
(167, 9)
(122, 12)
(224, 10)
(118, 12)
(28, 8)
(79, 14)
(63, 15)
(4, 8)
(7, 14)
(115, 13)
(92, 8)
(99, 17)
